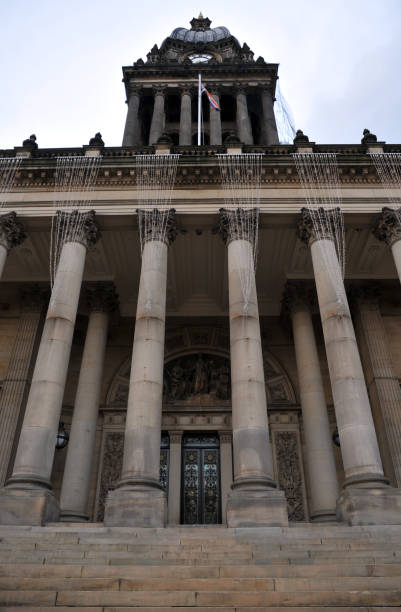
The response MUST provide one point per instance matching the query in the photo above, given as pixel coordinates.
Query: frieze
(197, 375)
(289, 473)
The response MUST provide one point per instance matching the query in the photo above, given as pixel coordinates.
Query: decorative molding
(289, 473)
(388, 226)
(112, 461)
(11, 231)
(88, 233)
(306, 231)
(101, 297)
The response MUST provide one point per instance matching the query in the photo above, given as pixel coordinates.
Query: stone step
(205, 609)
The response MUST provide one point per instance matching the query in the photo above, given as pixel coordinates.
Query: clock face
(200, 58)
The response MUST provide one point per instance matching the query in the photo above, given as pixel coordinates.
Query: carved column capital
(186, 89)
(233, 223)
(134, 90)
(388, 226)
(240, 89)
(306, 226)
(33, 297)
(11, 231)
(175, 437)
(214, 88)
(158, 229)
(78, 226)
(101, 297)
(298, 296)
(159, 90)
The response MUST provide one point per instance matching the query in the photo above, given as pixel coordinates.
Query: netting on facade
(155, 178)
(74, 183)
(8, 170)
(388, 167)
(284, 118)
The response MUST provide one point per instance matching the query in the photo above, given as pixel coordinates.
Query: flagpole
(199, 109)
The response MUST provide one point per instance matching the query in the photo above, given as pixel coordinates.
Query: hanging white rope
(8, 170)
(240, 176)
(75, 181)
(388, 167)
(155, 178)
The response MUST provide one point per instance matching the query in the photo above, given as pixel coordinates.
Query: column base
(369, 506)
(256, 508)
(73, 517)
(323, 516)
(28, 507)
(136, 507)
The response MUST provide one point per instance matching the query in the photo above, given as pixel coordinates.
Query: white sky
(60, 62)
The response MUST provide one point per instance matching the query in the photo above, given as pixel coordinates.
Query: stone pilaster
(243, 121)
(174, 483)
(11, 235)
(102, 300)
(270, 134)
(365, 498)
(139, 499)
(254, 500)
(226, 469)
(320, 463)
(16, 384)
(28, 498)
(186, 116)
(388, 229)
(157, 125)
(132, 131)
(384, 388)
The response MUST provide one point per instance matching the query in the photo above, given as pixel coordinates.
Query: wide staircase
(302, 567)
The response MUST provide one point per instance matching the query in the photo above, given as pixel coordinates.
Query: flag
(212, 101)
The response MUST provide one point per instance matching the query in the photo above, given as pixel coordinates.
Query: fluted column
(174, 481)
(139, 499)
(215, 119)
(157, 125)
(11, 234)
(185, 117)
(27, 498)
(243, 121)
(254, 499)
(16, 383)
(132, 131)
(388, 229)
(269, 120)
(365, 497)
(75, 487)
(384, 385)
(320, 463)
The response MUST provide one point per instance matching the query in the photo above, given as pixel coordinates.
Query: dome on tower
(200, 32)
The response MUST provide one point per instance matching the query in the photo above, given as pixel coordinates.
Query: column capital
(175, 436)
(101, 297)
(159, 90)
(11, 231)
(214, 88)
(240, 89)
(298, 296)
(74, 229)
(234, 224)
(186, 89)
(134, 90)
(168, 231)
(388, 226)
(225, 437)
(306, 227)
(33, 297)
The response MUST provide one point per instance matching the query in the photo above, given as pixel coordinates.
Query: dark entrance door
(201, 492)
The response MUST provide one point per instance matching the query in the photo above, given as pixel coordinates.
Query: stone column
(27, 498)
(132, 131)
(243, 122)
(320, 463)
(270, 133)
(174, 481)
(254, 500)
(139, 499)
(388, 229)
(19, 372)
(365, 498)
(226, 469)
(185, 117)
(75, 487)
(383, 384)
(11, 234)
(215, 119)
(157, 125)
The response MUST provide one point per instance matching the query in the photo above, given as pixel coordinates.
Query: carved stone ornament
(11, 231)
(306, 231)
(194, 376)
(96, 141)
(368, 137)
(200, 24)
(289, 473)
(300, 137)
(111, 469)
(186, 89)
(168, 230)
(101, 297)
(30, 143)
(87, 233)
(234, 224)
(296, 295)
(388, 226)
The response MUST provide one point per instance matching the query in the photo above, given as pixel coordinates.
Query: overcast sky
(60, 62)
